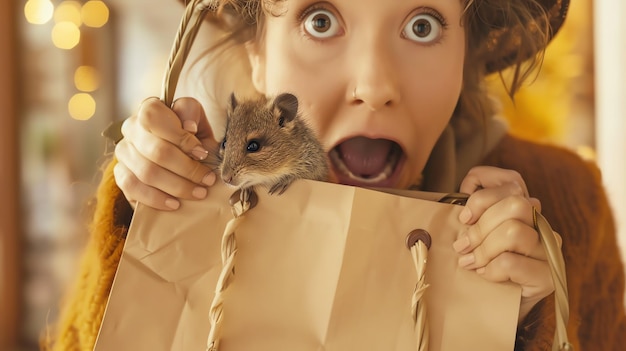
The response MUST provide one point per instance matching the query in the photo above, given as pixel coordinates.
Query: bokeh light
(82, 106)
(65, 35)
(38, 11)
(86, 78)
(587, 152)
(68, 11)
(95, 13)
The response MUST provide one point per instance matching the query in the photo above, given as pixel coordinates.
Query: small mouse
(267, 143)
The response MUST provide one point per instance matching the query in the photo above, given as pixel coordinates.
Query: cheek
(431, 93)
(293, 65)
(436, 100)
(434, 87)
(281, 63)
(317, 86)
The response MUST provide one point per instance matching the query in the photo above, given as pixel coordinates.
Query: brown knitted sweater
(573, 201)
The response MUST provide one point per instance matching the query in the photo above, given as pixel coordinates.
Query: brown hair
(500, 34)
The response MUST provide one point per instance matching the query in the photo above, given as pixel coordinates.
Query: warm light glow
(586, 152)
(38, 11)
(86, 78)
(95, 13)
(68, 11)
(65, 35)
(82, 106)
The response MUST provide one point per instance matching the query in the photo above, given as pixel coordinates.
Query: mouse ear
(232, 102)
(287, 107)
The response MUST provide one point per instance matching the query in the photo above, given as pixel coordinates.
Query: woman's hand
(501, 243)
(159, 156)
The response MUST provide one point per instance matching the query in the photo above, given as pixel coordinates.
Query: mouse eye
(253, 146)
(223, 144)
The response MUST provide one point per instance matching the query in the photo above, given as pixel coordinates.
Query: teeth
(387, 171)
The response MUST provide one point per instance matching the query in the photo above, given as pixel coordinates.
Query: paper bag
(321, 267)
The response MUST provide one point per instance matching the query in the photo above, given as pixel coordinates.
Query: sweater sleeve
(602, 319)
(83, 308)
(575, 203)
(579, 210)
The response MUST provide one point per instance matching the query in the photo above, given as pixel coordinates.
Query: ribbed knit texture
(573, 201)
(80, 320)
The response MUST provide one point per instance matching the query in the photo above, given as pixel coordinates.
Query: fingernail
(466, 260)
(173, 204)
(190, 126)
(461, 244)
(199, 192)
(209, 179)
(465, 215)
(199, 153)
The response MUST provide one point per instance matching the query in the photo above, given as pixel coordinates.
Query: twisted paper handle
(229, 250)
(557, 269)
(187, 31)
(418, 242)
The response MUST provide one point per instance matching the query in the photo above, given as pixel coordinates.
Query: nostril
(374, 103)
(227, 177)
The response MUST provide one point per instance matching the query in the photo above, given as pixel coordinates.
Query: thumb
(193, 120)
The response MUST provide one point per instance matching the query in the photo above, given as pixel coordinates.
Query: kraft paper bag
(320, 267)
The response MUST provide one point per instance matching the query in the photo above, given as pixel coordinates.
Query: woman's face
(377, 80)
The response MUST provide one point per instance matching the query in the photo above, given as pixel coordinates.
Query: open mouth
(366, 162)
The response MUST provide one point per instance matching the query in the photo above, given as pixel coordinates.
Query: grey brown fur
(267, 143)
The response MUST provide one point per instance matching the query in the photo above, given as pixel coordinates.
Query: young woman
(394, 91)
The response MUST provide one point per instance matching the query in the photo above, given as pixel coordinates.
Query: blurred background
(69, 68)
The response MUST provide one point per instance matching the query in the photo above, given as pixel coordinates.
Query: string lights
(69, 17)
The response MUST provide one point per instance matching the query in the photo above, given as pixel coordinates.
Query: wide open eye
(253, 146)
(423, 28)
(321, 24)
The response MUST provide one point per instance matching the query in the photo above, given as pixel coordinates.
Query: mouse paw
(279, 188)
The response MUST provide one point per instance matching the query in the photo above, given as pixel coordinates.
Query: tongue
(365, 157)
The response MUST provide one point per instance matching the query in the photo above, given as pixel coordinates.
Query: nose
(227, 174)
(375, 75)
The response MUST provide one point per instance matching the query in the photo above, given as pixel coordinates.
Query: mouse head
(259, 140)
